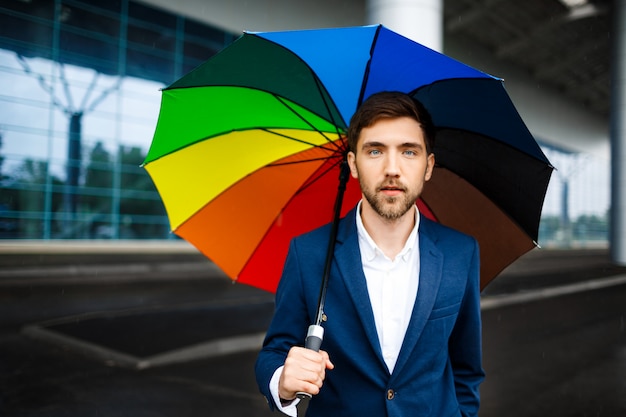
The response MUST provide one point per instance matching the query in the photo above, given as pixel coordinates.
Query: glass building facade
(79, 102)
(78, 106)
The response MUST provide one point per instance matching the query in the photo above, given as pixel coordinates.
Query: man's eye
(410, 153)
(374, 152)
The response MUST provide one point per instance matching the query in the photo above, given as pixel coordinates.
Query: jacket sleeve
(465, 345)
(288, 326)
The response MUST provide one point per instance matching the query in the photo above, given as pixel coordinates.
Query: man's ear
(352, 163)
(430, 166)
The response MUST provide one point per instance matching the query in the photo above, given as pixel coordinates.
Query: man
(403, 333)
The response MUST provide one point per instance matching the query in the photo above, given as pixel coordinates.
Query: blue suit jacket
(439, 367)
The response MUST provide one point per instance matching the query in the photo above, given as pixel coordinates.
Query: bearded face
(392, 165)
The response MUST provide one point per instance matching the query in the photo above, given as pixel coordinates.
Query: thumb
(329, 364)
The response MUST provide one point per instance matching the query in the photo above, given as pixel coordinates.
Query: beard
(390, 208)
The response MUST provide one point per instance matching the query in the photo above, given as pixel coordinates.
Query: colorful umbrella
(247, 148)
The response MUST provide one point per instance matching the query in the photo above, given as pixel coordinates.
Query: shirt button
(390, 394)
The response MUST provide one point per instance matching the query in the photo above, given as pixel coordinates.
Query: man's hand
(304, 371)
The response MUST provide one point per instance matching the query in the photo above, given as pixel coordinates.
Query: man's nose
(392, 164)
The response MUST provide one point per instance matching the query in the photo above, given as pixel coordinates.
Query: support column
(618, 136)
(419, 20)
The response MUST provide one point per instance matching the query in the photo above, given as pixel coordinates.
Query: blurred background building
(80, 97)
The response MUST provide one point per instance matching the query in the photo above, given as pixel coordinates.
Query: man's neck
(389, 235)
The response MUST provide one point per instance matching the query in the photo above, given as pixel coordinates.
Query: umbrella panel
(481, 107)
(353, 63)
(249, 226)
(192, 115)
(458, 204)
(400, 64)
(515, 182)
(207, 168)
(310, 208)
(263, 65)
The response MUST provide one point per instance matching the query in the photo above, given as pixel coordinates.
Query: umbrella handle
(314, 337)
(313, 341)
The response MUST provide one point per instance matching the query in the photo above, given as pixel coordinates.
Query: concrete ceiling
(568, 48)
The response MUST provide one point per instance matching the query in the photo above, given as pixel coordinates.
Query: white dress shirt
(392, 286)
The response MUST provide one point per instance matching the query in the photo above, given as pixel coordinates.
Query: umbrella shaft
(344, 175)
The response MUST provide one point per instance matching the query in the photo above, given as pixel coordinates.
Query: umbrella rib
(333, 149)
(321, 89)
(329, 140)
(367, 69)
(278, 164)
(311, 180)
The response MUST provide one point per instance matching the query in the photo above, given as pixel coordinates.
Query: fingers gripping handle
(313, 341)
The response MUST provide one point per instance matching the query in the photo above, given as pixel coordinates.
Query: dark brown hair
(390, 105)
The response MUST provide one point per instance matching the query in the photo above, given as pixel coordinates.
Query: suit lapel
(431, 261)
(348, 259)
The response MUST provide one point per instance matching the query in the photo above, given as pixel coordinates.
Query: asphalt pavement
(162, 332)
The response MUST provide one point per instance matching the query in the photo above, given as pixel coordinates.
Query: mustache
(391, 185)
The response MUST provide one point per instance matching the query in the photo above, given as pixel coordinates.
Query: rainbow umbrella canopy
(247, 147)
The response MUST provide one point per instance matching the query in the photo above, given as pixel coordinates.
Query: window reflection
(81, 94)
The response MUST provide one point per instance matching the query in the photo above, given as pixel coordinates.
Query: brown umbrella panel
(490, 191)
(459, 205)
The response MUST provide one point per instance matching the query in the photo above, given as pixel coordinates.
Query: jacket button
(390, 394)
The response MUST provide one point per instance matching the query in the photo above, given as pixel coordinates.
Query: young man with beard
(403, 331)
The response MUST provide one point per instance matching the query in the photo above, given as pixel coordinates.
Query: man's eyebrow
(377, 144)
(412, 145)
(373, 144)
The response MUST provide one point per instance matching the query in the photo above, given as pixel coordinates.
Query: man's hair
(390, 105)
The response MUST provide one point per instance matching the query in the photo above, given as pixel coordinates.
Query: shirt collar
(370, 250)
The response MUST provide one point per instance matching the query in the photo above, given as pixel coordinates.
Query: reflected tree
(134, 210)
(75, 114)
(96, 198)
(30, 198)
(140, 198)
(8, 201)
(2, 175)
